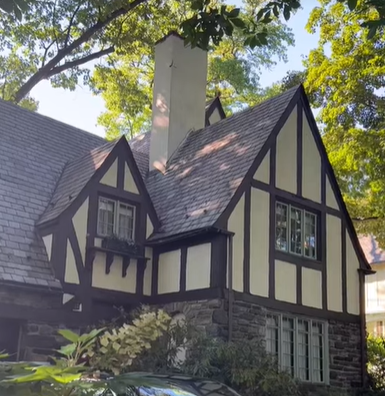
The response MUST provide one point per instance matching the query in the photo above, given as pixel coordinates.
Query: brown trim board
(155, 272)
(183, 269)
(120, 173)
(307, 203)
(273, 153)
(294, 308)
(132, 165)
(299, 284)
(343, 267)
(246, 241)
(215, 104)
(299, 147)
(190, 295)
(323, 234)
(73, 240)
(218, 260)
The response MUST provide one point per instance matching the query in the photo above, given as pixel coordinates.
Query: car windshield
(179, 386)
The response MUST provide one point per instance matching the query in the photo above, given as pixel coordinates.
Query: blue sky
(81, 108)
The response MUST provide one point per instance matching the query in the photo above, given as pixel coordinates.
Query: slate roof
(209, 165)
(76, 174)
(44, 164)
(373, 253)
(33, 152)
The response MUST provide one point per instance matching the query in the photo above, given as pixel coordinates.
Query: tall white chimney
(179, 96)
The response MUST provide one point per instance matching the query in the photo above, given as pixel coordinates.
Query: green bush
(376, 362)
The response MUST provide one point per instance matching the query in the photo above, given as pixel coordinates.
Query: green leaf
(372, 32)
(239, 23)
(352, 4)
(67, 350)
(234, 13)
(286, 12)
(196, 5)
(69, 335)
(254, 42)
(262, 37)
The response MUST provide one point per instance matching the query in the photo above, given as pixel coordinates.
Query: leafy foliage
(243, 365)
(116, 349)
(55, 40)
(126, 81)
(376, 362)
(151, 342)
(345, 77)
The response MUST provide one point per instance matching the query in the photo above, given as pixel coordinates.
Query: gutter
(33, 288)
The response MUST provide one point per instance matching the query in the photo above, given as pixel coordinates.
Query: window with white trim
(116, 218)
(299, 345)
(296, 230)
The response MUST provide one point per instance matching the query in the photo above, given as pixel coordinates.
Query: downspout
(230, 286)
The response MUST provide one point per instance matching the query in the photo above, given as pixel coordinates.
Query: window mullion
(288, 228)
(303, 213)
(117, 218)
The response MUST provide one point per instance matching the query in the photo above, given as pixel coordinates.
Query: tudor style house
(236, 223)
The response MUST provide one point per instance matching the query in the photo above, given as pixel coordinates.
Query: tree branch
(366, 218)
(70, 26)
(46, 49)
(44, 72)
(81, 61)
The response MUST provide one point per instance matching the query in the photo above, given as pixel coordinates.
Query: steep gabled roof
(44, 164)
(33, 152)
(208, 167)
(211, 105)
(76, 174)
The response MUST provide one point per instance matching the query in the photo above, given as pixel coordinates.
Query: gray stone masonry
(249, 321)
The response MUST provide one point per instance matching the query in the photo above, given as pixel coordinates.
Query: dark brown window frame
(291, 256)
(118, 199)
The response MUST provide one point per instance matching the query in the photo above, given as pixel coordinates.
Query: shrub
(376, 362)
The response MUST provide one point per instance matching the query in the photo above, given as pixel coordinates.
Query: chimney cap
(171, 33)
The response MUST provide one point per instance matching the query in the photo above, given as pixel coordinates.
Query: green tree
(125, 82)
(55, 40)
(345, 76)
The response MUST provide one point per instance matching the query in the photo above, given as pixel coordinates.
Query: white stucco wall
(286, 155)
(259, 243)
(334, 263)
(110, 178)
(169, 272)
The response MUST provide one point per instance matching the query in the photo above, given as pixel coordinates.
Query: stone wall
(249, 321)
(39, 340)
(345, 354)
(344, 342)
(207, 315)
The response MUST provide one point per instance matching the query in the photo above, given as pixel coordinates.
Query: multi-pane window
(299, 345)
(295, 230)
(115, 218)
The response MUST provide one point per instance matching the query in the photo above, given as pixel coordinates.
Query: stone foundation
(249, 321)
(38, 341)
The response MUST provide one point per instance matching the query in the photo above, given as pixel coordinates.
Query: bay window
(116, 218)
(299, 346)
